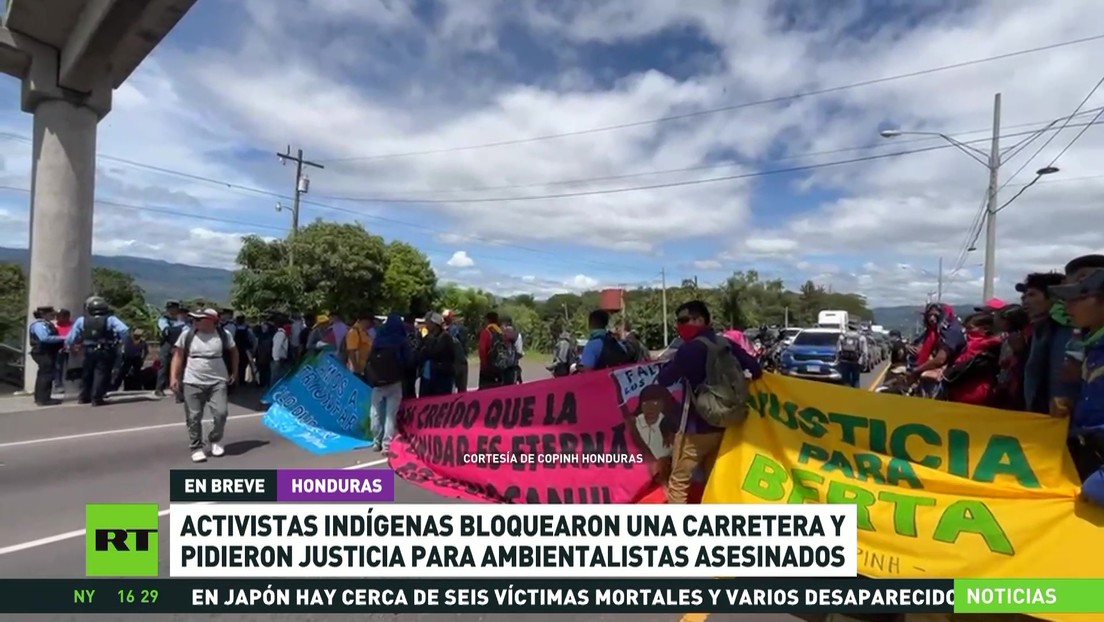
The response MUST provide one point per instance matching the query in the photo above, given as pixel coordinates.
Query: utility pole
(991, 206)
(302, 186)
(666, 320)
(939, 291)
(787, 318)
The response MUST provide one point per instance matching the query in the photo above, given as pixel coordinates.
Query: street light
(991, 161)
(975, 153)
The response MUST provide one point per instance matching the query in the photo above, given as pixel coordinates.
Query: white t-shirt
(652, 437)
(279, 345)
(205, 365)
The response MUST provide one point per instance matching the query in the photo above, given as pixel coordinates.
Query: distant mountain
(160, 280)
(905, 318)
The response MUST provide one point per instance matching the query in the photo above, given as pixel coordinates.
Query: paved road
(57, 459)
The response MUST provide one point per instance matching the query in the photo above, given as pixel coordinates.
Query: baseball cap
(204, 314)
(993, 304)
(435, 318)
(1093, 283)
(1041, 281)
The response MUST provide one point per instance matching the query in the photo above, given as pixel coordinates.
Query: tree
(409, 282)
(469, 303)
(125, 298)
(13, 302)
(339, 268)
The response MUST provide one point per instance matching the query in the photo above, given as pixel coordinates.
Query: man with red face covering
(943, 340)
(697, 442)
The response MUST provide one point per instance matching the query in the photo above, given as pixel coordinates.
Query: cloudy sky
(547, 146)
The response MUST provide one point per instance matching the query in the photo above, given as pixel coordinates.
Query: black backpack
(614, 353)
(241, 336)
(96, 332)
(850, 348)
(503, 354)
(385, 366)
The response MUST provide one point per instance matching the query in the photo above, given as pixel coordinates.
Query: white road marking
(144, 428)
(76, 533)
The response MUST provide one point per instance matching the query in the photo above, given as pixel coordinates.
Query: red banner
(587, 438)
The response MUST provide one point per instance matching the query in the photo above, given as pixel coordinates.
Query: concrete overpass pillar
(63, 182)
(62, 193)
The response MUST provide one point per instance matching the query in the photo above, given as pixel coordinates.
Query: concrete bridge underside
(70, 56)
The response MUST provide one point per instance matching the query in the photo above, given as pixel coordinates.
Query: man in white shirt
(281, 349)
(203, 366)
(297, 328)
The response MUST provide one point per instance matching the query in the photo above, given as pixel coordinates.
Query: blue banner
(322, 407)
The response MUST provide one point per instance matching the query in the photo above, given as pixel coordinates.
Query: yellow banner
(944, 490)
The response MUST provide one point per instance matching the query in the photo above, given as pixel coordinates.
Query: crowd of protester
(1044, 354)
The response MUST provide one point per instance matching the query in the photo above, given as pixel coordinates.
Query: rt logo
(120, 540)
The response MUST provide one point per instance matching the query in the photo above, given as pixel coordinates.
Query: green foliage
(338, 268)
(742, 300)
(467, 303)
(409, 282)
(125, 297)
(13, 302)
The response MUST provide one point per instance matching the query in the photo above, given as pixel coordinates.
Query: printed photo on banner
(563, 440)
(322, 407)
(942, 489)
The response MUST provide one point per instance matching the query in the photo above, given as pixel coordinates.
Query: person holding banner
(1084, 301)
(697, 442)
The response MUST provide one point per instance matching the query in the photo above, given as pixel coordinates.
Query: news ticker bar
(551, 596)
(268, 485)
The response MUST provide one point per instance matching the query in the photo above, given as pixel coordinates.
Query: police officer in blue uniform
(169, 327)
(99, 332)
(46, 345)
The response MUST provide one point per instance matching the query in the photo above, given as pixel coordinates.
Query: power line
(1039, 174)
(700, 113)
(389, 199)
(1055, 135)
(180, 213)
(1038, 177)
(581, 181)
(333, 208)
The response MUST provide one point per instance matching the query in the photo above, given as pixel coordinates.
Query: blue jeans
(384, 411)
(852, 374)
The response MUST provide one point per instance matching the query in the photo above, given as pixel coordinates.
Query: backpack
(241, 335)
(224, 337)
(96, 332)
(384, 366)
(850, 349)
(504, 356)
(721, 399)
(614, 353)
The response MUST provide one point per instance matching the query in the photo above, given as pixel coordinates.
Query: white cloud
(707, 264)
(460, 259)
(583, 282)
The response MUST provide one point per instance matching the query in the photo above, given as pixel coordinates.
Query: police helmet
(96, 305)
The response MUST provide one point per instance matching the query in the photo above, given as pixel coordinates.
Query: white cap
(205, 313)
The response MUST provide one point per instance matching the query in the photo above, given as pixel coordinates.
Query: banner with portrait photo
(587, 438)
